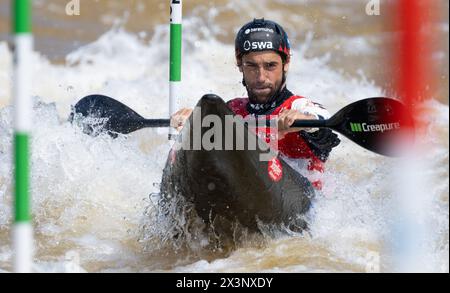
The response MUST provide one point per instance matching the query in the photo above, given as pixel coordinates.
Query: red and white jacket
(292, 146)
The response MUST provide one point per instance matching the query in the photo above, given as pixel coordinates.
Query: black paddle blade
(97, 114)
(380, 125)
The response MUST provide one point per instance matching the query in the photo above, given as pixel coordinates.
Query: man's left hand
(287, 117)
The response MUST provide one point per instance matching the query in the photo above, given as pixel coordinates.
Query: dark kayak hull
(235, 185)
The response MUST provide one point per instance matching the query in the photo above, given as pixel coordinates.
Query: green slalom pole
(22, 230)
(176, 17)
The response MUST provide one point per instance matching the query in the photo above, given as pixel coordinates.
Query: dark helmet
(262, 35)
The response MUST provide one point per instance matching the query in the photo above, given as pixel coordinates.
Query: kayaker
(262, 52)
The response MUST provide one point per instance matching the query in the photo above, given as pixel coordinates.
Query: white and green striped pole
(22, 230)
(176, 17)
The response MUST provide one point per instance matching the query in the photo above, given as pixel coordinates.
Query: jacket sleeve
(306, 106)
(320, 141)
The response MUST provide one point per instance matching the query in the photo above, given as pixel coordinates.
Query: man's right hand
(178, 119)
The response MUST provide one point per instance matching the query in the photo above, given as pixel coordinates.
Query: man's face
(263, 74)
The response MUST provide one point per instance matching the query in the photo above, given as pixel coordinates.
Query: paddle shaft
(156, 123)
(310, 123)
(298, 123)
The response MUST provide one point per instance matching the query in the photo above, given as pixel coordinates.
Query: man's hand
(178, 119)
(287, 117)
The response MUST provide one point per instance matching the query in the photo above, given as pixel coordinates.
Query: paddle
(374, 123)
(101, 113)
(381, 125)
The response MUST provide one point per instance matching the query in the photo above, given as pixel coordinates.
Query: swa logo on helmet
(258, 45)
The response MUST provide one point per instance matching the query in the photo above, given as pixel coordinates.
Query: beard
(262, 93)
